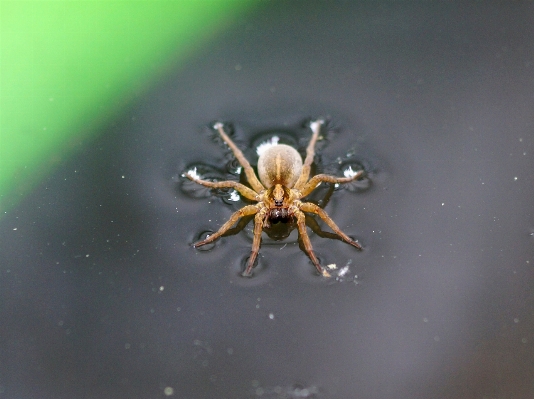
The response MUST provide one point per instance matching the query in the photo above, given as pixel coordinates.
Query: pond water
(103, 295)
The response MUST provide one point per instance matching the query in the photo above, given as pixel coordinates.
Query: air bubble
(234, 167)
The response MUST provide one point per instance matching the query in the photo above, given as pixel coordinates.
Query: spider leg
(310, 153)
(243, 190)
(251, 176)
(314, 226)
(301, 224)
(318, 179)
(258, 227)
(246, 210)
(312, 208)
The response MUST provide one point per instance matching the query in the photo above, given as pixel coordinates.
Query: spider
(283, 181)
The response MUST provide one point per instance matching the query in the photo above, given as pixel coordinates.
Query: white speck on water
(344, 270)
(271, 316)
(193, 173)
(234, 196)
(168, 391)
(349, 172)
(316, 125)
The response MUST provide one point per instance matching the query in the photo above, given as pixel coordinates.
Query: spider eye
(278, 202)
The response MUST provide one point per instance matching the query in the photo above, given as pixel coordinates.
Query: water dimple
(347, 168)
(260, 273)
(244, 265)
(212, 174)
(233, 167)
(231, 197)
(202, 236)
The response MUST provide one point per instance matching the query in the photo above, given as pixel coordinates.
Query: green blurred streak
(66, 67)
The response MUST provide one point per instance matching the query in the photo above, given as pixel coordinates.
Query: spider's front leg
(245, 211)
(301, 224)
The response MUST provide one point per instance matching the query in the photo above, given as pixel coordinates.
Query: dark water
(102, 295)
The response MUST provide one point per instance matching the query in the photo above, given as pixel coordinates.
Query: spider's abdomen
(279, 164)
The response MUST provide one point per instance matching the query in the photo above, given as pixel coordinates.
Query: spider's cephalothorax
(283, 182)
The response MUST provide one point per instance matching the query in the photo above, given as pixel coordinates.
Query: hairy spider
(283, 182)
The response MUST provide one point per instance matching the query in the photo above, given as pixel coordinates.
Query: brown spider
(283, 182)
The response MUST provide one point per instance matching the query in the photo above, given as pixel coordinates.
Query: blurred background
(103, 105)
